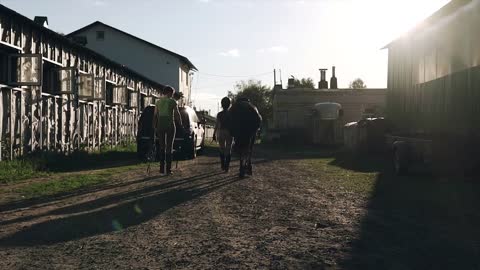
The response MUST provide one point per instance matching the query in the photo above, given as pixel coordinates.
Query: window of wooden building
(109, 99)
(25, 69)
(100, 35)
(3, 67)
(86, 85)
(58, 80)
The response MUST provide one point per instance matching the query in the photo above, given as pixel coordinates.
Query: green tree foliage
(357, 84)
(260, 95)
(304, 83)
(178, 95)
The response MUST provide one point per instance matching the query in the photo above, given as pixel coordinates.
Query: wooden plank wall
(32, 121)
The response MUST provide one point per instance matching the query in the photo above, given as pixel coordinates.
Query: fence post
(22, 121)
(116, 126)
(99, 126)
(11, 124)
(48, 124)
(40, 120)
(1, 123)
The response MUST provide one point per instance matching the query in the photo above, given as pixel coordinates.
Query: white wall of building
(291, 108)
(147, 60)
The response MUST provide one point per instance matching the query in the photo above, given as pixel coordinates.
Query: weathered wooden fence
(60, 123)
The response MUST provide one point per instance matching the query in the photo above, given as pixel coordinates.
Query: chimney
(291, 82)
(323, 84)
(333, 80)
(41, 20)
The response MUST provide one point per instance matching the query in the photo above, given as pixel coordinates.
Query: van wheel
(193, 149)
(400, 161)
(202, 147)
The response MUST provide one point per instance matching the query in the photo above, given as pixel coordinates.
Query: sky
(234, 40)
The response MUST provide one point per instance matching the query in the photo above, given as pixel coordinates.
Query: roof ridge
(185, 59)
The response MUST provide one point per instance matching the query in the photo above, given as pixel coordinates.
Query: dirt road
(289, 215)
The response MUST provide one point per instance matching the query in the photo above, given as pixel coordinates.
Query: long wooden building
(56, 95)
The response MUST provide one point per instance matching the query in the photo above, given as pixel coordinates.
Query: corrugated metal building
(434, 73)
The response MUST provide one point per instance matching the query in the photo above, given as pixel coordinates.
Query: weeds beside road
(50, 174)
(304, 208)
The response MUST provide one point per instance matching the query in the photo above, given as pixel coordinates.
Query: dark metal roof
(98, 23)
(447, 10)
(66, 40)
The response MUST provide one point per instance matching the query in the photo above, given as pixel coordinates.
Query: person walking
(222, 133)
(165, 115)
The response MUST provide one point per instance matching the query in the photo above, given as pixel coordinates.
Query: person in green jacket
(165, 115)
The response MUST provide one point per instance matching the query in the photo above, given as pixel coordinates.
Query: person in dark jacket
(165, 115)
(244, 125)
(222, 134)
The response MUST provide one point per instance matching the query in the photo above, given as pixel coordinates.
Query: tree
(357, 84)
(304, 83)
(177, 96)
(260, 96)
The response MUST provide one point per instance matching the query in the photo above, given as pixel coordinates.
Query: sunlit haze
(237, 39)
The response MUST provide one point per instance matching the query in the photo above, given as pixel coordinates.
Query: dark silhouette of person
(245, 123)
(165, 115)
(222, 134)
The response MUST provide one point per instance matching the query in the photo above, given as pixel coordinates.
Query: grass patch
(47, 164)
(332, 167)
(18, 170)
(63, 185)
(337, 177)
(69, 183)
(80, 161)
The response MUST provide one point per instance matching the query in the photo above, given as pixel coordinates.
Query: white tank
(328, 110)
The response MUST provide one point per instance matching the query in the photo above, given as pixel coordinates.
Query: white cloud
(100, 3)
(274, 49)
(204, 1)
(244, 4)
(231, 53)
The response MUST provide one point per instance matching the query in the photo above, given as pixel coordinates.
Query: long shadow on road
(84, 163)
(54, 198)
(132, 208)
(111, 199)
(416, 222)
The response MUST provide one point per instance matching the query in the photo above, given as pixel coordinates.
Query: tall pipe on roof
(323, 84)
(333, 80)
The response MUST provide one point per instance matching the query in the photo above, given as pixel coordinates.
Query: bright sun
(387, 19)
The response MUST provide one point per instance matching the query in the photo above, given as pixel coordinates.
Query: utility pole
(274, 77)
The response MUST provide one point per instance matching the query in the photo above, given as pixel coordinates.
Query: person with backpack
(222, 134)
(165, 115)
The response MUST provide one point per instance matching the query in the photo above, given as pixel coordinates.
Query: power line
(230, 83)
(216, 86)
(236, 76)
